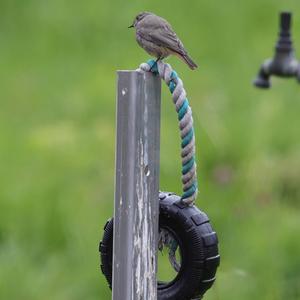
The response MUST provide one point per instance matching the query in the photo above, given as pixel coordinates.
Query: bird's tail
(189, 62)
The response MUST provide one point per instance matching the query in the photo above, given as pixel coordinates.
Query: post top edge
(135, 73)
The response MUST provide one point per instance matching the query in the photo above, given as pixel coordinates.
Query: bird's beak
(130, 26)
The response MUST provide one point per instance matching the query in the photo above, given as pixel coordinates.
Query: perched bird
(156, 36)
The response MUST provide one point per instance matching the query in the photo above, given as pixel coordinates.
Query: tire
(198, 245)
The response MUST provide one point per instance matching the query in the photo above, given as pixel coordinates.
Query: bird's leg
(158, 59)
(155, 63)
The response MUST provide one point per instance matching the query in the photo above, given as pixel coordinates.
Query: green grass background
(58, 62)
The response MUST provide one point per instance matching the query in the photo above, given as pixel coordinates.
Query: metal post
(137, 186)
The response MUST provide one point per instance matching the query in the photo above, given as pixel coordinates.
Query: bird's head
(139, 18)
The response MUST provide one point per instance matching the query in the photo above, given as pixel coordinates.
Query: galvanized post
(136, 186)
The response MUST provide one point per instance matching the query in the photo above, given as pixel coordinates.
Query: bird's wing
(163, 36)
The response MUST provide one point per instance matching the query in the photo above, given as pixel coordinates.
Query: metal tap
(284, 63)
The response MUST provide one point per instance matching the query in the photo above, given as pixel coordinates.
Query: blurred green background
(58, 62)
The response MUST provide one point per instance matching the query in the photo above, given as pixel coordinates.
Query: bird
(156, 36)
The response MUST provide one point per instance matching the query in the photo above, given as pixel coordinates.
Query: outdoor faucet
(284, 63)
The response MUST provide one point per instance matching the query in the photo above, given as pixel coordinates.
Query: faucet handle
(285, 21)
(284, 43)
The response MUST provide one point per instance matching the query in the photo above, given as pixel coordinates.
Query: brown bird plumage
(156, 36)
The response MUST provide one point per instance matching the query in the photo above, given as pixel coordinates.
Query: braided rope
(184, 111)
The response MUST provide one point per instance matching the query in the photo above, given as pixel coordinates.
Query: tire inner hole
(169, 256)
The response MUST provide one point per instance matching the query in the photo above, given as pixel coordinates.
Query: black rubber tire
(198, 244)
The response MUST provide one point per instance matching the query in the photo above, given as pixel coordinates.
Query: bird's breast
(152, 48)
